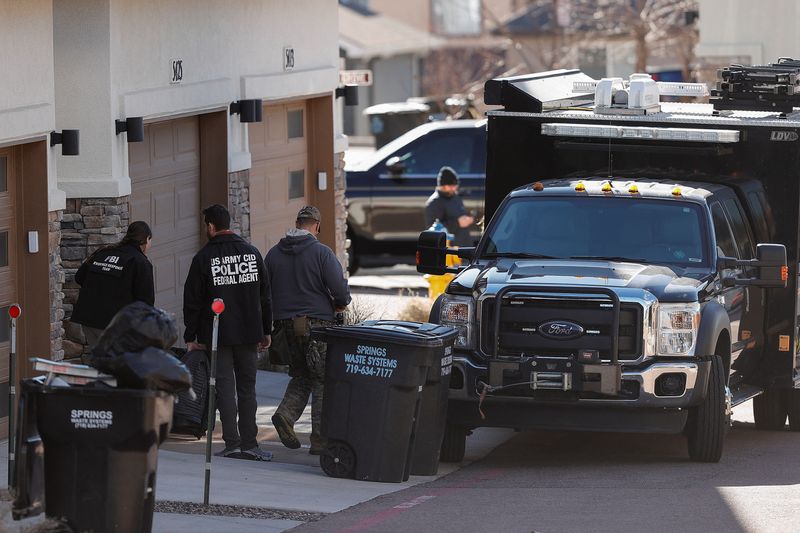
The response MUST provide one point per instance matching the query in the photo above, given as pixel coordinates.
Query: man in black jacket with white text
(230, 268)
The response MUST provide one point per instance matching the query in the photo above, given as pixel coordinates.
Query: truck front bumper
(642, 404)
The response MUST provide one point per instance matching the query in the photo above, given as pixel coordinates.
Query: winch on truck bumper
(642, 404)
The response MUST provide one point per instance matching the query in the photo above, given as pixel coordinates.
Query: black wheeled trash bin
(100, 453)
(374, 374)
(432, 416)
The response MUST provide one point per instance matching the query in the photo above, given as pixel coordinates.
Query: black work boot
(285, 431)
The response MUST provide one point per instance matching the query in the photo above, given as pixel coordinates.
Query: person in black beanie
(448, 208)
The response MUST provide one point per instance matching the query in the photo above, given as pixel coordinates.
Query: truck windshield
(618, 229)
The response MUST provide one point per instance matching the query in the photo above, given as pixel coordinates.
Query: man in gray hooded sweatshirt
(308, 289)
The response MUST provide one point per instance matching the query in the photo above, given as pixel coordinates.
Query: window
(3, 174)
(456, 17)
(432, 152)
(762, 216)
(294, 123)
(722, 231)
(739, 227)
(297, 184)
(643, 231)
(3, 249)
(479, 153)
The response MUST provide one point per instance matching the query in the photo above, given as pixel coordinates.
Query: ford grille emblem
(560, 330)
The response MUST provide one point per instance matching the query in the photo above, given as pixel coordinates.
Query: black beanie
(447, 176)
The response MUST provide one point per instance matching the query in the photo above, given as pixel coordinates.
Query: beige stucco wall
(26, 93)
(415, 13)
(763, 30)
(230, 50)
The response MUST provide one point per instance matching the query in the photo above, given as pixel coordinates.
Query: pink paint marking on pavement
(386, 514)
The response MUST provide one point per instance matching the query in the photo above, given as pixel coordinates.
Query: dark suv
(386, 192)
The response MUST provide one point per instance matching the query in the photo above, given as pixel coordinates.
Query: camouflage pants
(307, 369)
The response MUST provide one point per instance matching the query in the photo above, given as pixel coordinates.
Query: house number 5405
(176, 70)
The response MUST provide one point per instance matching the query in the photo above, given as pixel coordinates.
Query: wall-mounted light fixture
(134, 126)
(68, 139)
(248, 110)
(350, 93)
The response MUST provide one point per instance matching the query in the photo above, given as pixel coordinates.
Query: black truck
(634, 274)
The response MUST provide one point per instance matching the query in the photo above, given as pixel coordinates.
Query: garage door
(165, 178)
(279, 175)
(8, 261)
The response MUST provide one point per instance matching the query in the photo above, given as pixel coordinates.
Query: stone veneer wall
(340, 208)
(239, 202)
(86, 225)
(56, 285)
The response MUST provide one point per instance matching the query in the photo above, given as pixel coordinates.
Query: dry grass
(360, 310)
(416, 310)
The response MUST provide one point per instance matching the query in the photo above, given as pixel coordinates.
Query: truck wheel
(453, 444)
(352, 259)
(770, 409)
(708, 422)
(794, 409)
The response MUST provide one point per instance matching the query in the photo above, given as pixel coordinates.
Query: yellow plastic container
(437, 284)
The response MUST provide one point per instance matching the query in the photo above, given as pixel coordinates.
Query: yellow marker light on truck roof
(676, 191)
(606, 187)
(633, 189)
(580, 187)
(538, 186)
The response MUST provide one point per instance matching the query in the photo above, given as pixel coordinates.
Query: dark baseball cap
(309, 211)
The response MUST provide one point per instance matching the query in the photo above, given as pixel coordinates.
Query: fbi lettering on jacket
(234, 269)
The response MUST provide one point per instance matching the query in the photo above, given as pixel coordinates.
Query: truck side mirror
(431, 252)
(466, 252)
(774, 271)
(395, 166)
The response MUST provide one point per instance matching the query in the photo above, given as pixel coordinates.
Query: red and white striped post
(14, 312)
(218, 306)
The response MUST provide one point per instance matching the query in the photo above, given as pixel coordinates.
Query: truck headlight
(457, 311)
(677, 328)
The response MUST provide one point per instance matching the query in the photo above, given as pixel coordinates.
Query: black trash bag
(191, 413)
(135, 327)
(151, 368)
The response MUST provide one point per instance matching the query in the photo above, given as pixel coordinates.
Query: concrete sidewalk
(292, 481)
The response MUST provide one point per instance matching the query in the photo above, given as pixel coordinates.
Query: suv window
(432, 152)
(739, 227)
(722, 231)
(762, 217)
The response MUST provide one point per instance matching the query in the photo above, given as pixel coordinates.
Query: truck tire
(794, 409)
(352, 259)
(770, 409)
(708, 422)
(454, 444)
